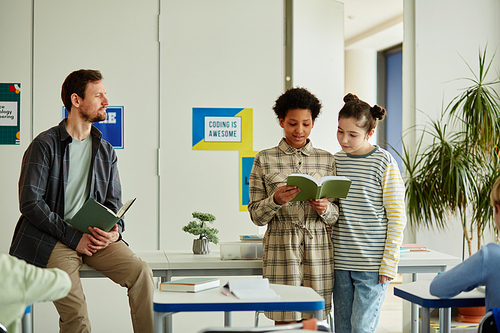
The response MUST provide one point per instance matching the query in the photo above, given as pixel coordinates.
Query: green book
(327, 187)
(95, 214)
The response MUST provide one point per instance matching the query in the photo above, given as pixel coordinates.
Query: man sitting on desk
(61, 168)
(481, 269)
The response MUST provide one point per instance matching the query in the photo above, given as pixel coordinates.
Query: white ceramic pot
(201, 246)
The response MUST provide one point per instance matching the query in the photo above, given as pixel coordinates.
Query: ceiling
(373, 23)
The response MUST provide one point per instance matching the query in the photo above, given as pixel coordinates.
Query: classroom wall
(232, 58)
(159, 59)
(361, 73)
(15, 67)
(318, 62)
(442, 52)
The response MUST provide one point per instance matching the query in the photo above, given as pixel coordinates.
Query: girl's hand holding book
(320, 205)
(285, 193)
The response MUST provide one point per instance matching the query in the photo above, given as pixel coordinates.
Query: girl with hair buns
(369, 231)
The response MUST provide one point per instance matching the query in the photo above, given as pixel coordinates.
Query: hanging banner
(222, 129)
(112, 127)
(10, 113)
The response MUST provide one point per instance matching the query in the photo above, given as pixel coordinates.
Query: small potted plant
(199, 227)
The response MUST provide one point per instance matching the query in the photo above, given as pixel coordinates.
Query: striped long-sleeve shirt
(369, 231)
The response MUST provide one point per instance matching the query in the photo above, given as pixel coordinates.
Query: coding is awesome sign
(222, 129)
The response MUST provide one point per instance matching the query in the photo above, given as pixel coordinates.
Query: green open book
(94, 214)
(327, 187)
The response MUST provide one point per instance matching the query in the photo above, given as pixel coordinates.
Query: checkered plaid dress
(298, 250)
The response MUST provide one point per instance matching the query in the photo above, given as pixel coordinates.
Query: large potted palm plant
(456, 161)
(451, 171)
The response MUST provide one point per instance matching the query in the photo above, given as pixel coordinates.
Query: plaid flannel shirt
(44, 175)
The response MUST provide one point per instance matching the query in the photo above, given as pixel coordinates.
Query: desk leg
(445, 320)
(158, 322)
(26, 326)
(414, 309)
(319, 315)
(426, 319)
(168, 320)
(162, 322)
(227, 319)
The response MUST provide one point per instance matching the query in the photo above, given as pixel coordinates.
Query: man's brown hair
(76, 83)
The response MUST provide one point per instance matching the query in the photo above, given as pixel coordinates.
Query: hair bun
(350, 97)
(378, 112)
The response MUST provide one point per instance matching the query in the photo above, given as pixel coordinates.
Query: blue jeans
(357, 299)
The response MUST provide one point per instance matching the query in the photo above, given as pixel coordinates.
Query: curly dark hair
(76, 83)
(362, 112)
(297, 98)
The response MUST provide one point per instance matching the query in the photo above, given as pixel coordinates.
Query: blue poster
(112, 127)
(246, 169)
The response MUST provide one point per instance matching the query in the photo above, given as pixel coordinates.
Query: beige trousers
(121, 265)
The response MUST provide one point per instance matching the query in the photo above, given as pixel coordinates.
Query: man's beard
(97, 118)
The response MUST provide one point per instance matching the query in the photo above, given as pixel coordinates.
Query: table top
(418, 293)
(212, 260)
(161, 261)
(292, 298)
(429, 261)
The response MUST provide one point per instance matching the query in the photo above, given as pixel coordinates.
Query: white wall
(361, 76)
(15, 67)
(127, 55)
(361, 73)
(214, 54)
(439, 49)
(318, 62)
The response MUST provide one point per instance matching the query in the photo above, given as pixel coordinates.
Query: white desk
(292, 298)
(418, 293)
(423, 262)
(429, 261)
(182, 263)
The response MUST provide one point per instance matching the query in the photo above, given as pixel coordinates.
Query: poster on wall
(222, 129)
(10, 113)
(246, 164)
(112, 127)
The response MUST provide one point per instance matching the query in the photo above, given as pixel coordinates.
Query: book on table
(190, 285)
(251, 289)
(327, 187)
(413, 247)
(95, 214)
(251, 238)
